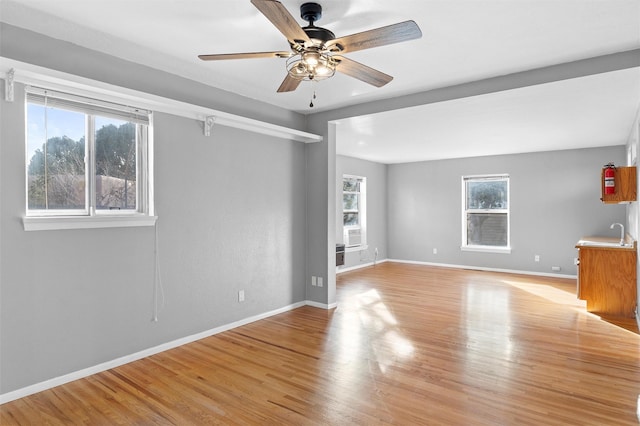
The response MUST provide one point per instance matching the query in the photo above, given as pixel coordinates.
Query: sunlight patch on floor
(548, 292)
(387, 342)
(488, 324)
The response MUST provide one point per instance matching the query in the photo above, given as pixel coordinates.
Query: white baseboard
(321, 305)
(57, 381)
(340, 270)
(482, 268)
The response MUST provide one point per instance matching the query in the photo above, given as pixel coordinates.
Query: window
(354, 211)
(485, 216)
(86, 159)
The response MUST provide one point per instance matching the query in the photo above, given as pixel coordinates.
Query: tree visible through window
(82, 158)
(486, 212)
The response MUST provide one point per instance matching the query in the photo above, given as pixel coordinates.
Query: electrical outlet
(241, 296)
(435, 251)
(319, 281)
(314, 281)
(536, 258)
(556, 268)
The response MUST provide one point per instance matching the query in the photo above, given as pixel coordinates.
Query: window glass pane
(55, 158)
(115, 164)
(487, 194)
(350, 202)
(351, 185)
(350, 219)
(487, 229)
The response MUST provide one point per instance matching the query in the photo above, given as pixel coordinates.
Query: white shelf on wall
(29, 74)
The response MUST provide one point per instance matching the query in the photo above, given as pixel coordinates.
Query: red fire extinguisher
(609, 179)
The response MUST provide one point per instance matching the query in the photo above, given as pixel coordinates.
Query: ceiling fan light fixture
(311, 58)
(311, 65)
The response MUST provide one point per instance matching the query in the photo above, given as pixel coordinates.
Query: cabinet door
(607, 280)
(587, 275)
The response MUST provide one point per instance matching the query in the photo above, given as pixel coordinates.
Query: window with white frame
(485, 213)
(354, 191)
(86, 157)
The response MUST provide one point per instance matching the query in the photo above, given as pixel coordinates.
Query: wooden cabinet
(626, 186)
(607, 280)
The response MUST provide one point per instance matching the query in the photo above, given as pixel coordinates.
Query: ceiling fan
(316, 53)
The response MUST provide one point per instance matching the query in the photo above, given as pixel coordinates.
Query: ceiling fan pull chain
(312, 98)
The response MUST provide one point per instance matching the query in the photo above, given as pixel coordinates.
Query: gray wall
(376, 175)
(232, 214)
(555, 200)
(321, 207)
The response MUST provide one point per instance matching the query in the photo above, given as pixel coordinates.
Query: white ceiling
(462, 41)
(593, 111)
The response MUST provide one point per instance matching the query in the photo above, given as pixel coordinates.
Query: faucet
(621, 232)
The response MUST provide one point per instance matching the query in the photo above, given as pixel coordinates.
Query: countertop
(607, 243)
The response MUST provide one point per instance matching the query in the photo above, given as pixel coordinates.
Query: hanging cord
(313, 95)
(158, 289)
(312, 98)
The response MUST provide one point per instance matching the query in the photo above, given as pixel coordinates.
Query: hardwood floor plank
(407, 344)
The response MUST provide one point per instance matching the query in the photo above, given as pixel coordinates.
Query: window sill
(52, 223)
(356, 248)
(487, 249)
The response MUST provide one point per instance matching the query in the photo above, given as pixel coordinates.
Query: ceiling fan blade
(282, 19)
(289, 84)
(250, 55)
(396, 33)
(362, 72)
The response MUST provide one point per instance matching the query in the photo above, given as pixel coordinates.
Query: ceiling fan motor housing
(311, 12)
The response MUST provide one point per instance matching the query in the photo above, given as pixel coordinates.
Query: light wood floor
(407, 345)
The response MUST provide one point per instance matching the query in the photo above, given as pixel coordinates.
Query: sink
(603, 244)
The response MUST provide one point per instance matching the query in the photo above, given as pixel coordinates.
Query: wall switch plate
(319, 281)
(241, 296)
(313, 281)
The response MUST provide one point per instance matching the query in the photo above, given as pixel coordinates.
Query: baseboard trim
(482, 268)
(364, 265)
(80, 374)
(321, 305)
